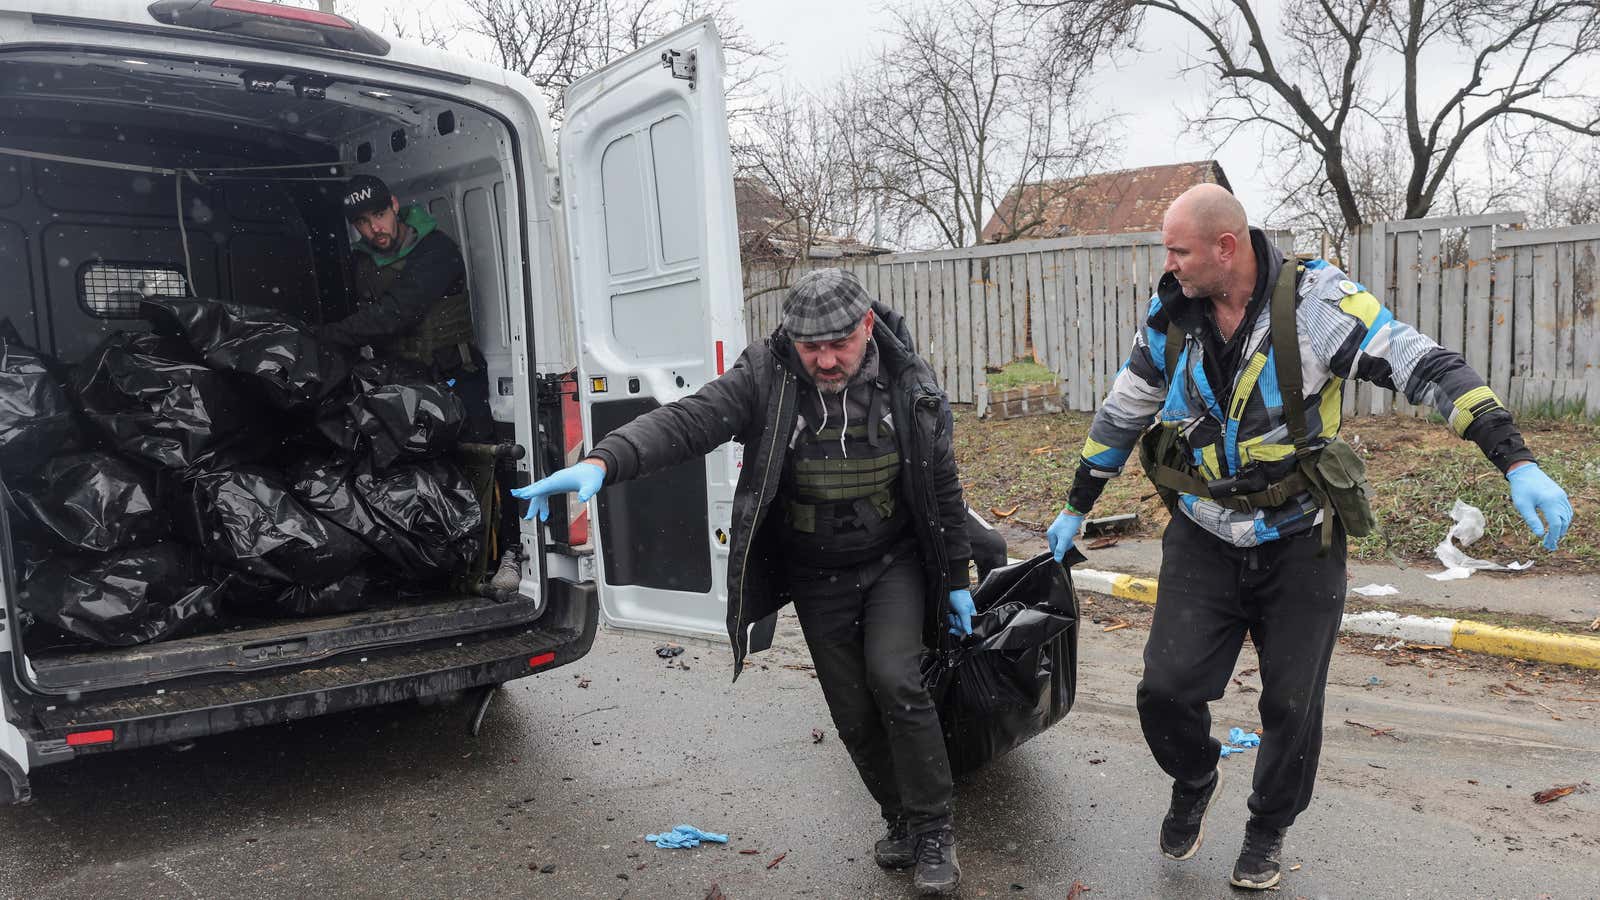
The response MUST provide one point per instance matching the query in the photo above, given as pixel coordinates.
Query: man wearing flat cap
(848, 505)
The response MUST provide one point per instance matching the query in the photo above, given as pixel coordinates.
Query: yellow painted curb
(1128, 587)
(1522, 643)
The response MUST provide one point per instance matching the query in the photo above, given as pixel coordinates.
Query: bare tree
(802, 151)
(964, 106)
(418, 28)
(1331, 72)
(555, 42)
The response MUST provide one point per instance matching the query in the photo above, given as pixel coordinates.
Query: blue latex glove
(962, 611)
(684, 836)
(1242, 738)
(1062, 532)
(1533, 494)
(1229, 751)
(584, 478)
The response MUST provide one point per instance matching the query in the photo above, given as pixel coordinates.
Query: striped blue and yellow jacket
(1345, 333)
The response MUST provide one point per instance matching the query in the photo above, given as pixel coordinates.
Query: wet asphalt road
(400, 802)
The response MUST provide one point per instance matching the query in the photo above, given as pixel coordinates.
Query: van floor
(277, 642)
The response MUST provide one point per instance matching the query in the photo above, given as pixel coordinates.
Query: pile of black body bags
(223, 467)
(1017, 673)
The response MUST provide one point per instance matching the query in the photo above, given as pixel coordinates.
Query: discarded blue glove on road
(1243, 739)
(684, 836)
(1229, 751)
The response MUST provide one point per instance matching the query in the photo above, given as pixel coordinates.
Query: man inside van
(412, 304)
(1240, 367)
(849, 505)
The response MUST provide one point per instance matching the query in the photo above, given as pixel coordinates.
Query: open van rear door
(647, 188)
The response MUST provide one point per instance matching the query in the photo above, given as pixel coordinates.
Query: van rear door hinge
(683, 65)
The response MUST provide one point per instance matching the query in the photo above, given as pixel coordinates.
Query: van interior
(92, 217)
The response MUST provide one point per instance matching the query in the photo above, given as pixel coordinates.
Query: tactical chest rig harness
(1330, 471)
(442, 341)
(840, 488)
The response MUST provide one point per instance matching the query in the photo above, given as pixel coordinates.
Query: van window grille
(113, 290)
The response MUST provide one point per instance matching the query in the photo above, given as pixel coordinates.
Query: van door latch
(285, 650)
(683, 65)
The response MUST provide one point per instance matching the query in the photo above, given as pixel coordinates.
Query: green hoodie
(421, 223)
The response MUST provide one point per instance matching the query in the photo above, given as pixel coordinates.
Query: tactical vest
(1331, 472)
(443, 339)
(840, 492)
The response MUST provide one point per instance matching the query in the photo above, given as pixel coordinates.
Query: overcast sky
(819, 39)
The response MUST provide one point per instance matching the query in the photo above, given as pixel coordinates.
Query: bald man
(1263, 493)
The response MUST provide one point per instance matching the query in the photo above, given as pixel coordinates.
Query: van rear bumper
(182, 712)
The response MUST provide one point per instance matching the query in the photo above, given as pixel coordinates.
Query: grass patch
(1024, 467)
(1021, 372)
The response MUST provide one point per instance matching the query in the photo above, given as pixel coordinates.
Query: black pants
(1211, 593)
(864, 627)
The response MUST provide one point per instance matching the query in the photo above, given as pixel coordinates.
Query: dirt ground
(1018, 472)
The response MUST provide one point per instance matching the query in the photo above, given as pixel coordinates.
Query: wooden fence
(1521, 306)
(1072, 304)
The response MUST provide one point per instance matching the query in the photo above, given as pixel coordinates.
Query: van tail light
(278, 11)
(265, 21)
(543, 659)
(87, 738)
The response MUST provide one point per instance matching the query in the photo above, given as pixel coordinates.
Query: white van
(609, 258)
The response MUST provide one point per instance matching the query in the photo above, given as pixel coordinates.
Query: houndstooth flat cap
(825, 305)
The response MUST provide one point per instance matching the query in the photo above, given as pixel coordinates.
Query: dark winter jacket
(388, 308)
(755, 403)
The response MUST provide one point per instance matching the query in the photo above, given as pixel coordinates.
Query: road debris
(1077, 890)
(750, 851)
(684, 836)
(817, 734)
(668, 651)
(775, 860)
(1040, 451)
(1119, 524)
(1469, 526)
(1117, 625)
(1105, 543)
(1595, 625)
(583, 682)
(1240, 740)
(1295, 867)
(1551, 795)
(1376, 731)
(1376, 590)
(1004, 513)
(715, 893)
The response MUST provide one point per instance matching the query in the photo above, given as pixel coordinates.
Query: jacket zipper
(927, 485)
(766, 475)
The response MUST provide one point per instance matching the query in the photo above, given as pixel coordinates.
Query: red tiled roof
(1125, 202)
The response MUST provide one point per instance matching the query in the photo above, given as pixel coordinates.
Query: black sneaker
(897, 850)
(1258, 868)
(1184, 825)
(938, 874)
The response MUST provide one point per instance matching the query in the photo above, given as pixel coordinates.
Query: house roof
(1122, 202)
(766, 228)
